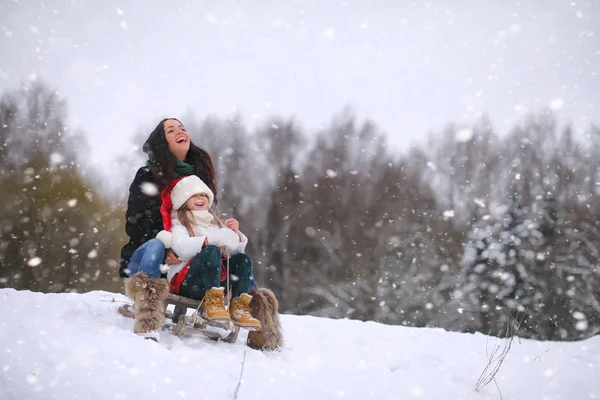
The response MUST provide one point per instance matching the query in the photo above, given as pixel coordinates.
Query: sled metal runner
(193, 324)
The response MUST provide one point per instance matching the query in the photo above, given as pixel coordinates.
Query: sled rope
(199, 305)
(196, 318)
(228, 288)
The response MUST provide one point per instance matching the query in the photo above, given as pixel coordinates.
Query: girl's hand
(232, 224)
(171, 257)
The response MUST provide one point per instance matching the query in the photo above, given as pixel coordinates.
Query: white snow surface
(77, 346)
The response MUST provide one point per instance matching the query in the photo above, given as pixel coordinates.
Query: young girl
(203, 243)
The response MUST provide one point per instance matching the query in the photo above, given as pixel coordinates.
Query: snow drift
(77, 346)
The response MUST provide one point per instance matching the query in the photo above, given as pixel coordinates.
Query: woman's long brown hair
(164, 162)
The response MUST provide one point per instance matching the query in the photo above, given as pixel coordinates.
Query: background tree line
(462, 232)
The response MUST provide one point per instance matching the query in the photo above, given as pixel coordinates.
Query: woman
(171, 155)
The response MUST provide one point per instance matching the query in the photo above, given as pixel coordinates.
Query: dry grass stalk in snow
(237, 389)
(497, 355)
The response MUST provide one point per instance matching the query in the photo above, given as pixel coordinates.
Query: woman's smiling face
(177, 138)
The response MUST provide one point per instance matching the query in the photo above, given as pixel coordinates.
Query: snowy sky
(409, 65)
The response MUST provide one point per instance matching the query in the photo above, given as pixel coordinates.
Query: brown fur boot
(264, 307)
(149, 297)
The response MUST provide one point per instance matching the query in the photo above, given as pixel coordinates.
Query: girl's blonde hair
(187, 219)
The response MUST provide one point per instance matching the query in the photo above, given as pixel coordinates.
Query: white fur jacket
(186, 247)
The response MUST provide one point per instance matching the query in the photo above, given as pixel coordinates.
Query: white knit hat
(186, 188)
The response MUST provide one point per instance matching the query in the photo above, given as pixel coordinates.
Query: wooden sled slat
(187, 324)
(184, 301)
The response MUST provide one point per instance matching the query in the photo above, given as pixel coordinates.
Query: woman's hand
(232, 224)
(171, 257)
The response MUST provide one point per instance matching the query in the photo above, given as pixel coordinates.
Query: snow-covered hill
(77, 346)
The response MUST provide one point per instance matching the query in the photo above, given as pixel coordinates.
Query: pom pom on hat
(166, 237)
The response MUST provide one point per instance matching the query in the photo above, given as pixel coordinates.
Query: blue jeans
(147, 258)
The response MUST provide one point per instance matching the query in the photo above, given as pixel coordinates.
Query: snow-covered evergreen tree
(498, 268)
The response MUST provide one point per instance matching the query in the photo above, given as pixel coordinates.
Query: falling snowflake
(34, 262)
(56, 158)
(164, 268)
(449, 214)
(464, 135)
(479, 202)
(556, 104)
(149, 189)
(581, 325)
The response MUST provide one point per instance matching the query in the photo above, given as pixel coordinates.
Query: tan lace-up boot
(240, 313)
(214, 305)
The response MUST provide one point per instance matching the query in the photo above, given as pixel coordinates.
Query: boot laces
(214, 300)
(242, 307)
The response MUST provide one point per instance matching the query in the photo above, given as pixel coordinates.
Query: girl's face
(197, 202)
(177, 138)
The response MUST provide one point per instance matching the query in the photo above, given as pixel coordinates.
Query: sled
(183, 324)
